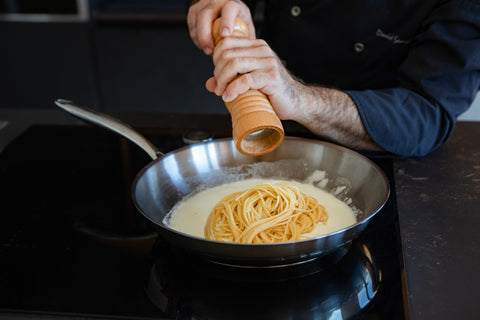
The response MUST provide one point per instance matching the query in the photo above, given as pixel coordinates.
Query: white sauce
(190, 215)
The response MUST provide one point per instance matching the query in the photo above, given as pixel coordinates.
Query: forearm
(326, 112)
(332, 114)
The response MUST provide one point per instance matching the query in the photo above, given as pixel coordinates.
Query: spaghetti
(266, 213)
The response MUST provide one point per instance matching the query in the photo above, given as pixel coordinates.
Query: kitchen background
(113, 55)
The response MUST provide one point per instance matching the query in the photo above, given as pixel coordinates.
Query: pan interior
(351, 177)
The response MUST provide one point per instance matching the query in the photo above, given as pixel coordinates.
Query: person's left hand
(243, 64)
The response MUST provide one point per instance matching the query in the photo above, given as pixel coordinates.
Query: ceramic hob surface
(73, 245)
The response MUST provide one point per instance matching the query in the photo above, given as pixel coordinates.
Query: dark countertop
(439, 211)
(438, 203)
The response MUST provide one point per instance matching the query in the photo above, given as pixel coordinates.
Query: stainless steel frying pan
(171, 177)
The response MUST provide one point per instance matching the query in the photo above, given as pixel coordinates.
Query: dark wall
(148, 67)
(109, 66)
(42, 61)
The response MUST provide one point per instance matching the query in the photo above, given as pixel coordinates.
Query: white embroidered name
(391, 37)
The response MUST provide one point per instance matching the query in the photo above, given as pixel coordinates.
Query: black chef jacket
(411, 66)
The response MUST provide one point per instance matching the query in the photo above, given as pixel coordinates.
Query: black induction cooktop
(72, 245)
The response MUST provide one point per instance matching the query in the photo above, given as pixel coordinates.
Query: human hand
(202, 14)
(242, 64)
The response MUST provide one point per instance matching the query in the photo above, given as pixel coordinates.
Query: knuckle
(245, 81)
(235, 64)
(274, 75)
(202, 14)
(271, 62)
(261, 43)
(227, 42)
(218, 74)
(264, 48)
(225, 55)
(203, 39)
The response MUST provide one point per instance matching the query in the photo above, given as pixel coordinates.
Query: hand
(243, 64)
(202, 14)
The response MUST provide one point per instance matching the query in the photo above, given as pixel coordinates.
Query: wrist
(309, 105)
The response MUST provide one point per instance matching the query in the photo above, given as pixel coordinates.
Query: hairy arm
(410, 119)
(242, 64)
(332, 114)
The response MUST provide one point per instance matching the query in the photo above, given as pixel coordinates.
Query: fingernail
(207, 50)
(225, 32)
(226, 98)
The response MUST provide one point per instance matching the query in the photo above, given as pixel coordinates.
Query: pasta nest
(266, 213)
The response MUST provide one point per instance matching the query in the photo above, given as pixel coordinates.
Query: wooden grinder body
(256, 128)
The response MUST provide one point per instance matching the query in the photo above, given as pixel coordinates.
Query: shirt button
(359, 47)
(295, 11)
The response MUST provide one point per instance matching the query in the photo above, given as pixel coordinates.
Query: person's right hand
(202, 14)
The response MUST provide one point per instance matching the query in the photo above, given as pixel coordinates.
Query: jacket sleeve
(439, 80)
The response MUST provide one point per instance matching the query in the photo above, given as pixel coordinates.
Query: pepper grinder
(256, 127)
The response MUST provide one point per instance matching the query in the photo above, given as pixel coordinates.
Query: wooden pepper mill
(256, 128)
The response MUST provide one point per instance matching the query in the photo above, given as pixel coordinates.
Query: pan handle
(110, 123)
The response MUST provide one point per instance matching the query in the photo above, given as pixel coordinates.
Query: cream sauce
(190, 215)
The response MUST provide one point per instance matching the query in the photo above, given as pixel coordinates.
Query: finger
(237, 56)
(238, 86)
(204, 29)
(257, 80)
(226, 70)
(211, 84)
(231, 48)
(191, 22)
(251, 27)
(266, 77)
(230, 12)
(226, 73)
(231, 72)
(225, 50)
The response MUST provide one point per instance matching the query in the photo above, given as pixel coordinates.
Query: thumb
(211, 84)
